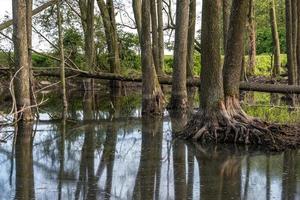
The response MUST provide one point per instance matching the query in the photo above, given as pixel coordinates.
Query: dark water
(108, 151)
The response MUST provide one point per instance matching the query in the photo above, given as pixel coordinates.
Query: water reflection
(24, 163)
(118, 155)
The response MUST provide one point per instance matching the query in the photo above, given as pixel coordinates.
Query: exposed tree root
(234, 126)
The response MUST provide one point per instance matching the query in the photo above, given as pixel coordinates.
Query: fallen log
(167, 80)
(39, 9)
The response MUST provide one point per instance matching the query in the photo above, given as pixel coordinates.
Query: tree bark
(298, 43)
(275, 37)
(179, 91)
(22, 80)
(226, 18)
(234, 55)
(289, 42)
(109, 21)
(137, 8)
(152, 96)
(87, 20)
(191, 39)
(161, 48)
(294, 37)
(155, 51)
(62, 59)
(252, 38)
(211, 89)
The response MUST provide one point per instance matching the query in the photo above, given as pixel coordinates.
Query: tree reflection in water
(128, 157)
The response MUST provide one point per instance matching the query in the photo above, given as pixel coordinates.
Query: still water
(108, 151)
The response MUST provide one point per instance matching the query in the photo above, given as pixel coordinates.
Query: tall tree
(21, 58)
(179, 91)
(160, 23)
(289, 42)
(191, 39)
(109, 21)
(221, 118)
(62, 59)
(154, 31)
(152, 96)
(252, 38)
(87, 21)
(226, 17)
(137, 9)
(275, 38)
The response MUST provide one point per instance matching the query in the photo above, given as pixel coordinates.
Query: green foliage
(168, 67)
(41, 61)
(73, 43)
(129, 48)
(264, 40)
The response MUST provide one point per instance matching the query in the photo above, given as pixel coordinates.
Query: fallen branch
(167, 80)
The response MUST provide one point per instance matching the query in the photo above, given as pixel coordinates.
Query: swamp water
(108, 151)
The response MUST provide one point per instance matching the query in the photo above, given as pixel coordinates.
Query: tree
(154, 25)
(87, 21)
(62, 59)
(252, 38)
(161, 49)
(179, 91)
(21, 59)
(221, 118)
(226, 16)
(275, 38)
(289, 43)
(191, 39)
(153, 98)
(109, 22)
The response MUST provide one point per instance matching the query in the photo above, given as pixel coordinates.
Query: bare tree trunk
(294, 37)
(87, 20)
(161, 48)
(191, 39)
(179, 91)
(22, 80)
(152, 96)
(155, 36)
(289, 43)
(275, 37)
(62, 59)
(252, 38)
(226, 18)
(298, 42)
(108, 17)
(137, 8)
(234, 56)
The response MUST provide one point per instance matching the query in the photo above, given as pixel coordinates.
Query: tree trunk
(226, 18)
(87, 20)
(234, 55)
(294, 37)
(161, 48)
(22, 80)
(252, 38)
(137, 8)
(275, 37)
(108, 17)
(298, 42)
(152, 96)
(155, 36)
(191, 39)
(62, 60)
(179, 92)
(289, 43)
